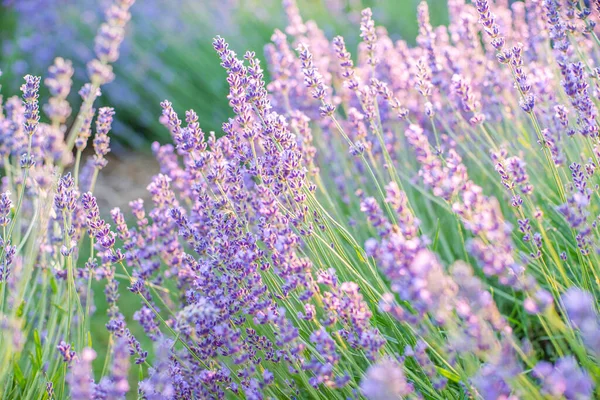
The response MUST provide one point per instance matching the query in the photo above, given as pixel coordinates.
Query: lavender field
(375, 216)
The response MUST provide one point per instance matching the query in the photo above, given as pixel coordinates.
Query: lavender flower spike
(80, 378)
(314, 80)
(59, 83)
(5, 208)
(30, 100)
(580, 310)
(102, 140)
(385, 380)
(108, 40)
(368, 35)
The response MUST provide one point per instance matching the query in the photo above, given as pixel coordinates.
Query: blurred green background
(168, 51)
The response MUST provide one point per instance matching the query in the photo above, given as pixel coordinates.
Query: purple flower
(579, 306)
(85, 131)
(65, 351)
(116, 385)
(494, 378)
(576, 210)
(470, 103)
(346, 64)
(385, 380)
(313, 79)
(30, 101)
(368, 35)
(488, 20)
(9, 256)
(100, 73)
(102, 140)
(59, 78)
(66, 195)
(108, 40)
(577, 88)
(135, 348)
(50, 390)
(159, 384)
(59, 83)
(564, 379)
(5, 208)
(322, 367)
(80, 377)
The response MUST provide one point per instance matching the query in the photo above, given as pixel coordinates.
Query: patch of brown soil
(124, 179)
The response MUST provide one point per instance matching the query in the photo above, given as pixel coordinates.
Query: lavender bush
(416, 222)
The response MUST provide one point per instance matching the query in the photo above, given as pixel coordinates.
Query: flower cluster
(267, 262)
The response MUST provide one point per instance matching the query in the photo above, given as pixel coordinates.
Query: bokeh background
(168, 50)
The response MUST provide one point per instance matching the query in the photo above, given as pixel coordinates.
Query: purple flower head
(116, 385)
(30, 101)
(80, 377)
(170, 119)
(368, 35)
(85, 131)
(66, 195)
(59, 77)
(385, 380)
(100, 73)
(312, 78)
(9, 256)
(398, 200)
(102, 140)
(493, 380)
(65, 351)
(374, 214)
(565, 379)
(197, 316)
(423, 82)
(392, 101)
(135, 348)
(50, 390)
(159, 384)
(5, 208)
(108, 40)
(463, 89)
(323, 366)
(579, 306)
(296, 26)
(488, 20)
(59, 83)
(112, 32)
(346, 63)
(577, 88)
(97, 227)
(513, 174)
(540, 300)
(86, 91)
